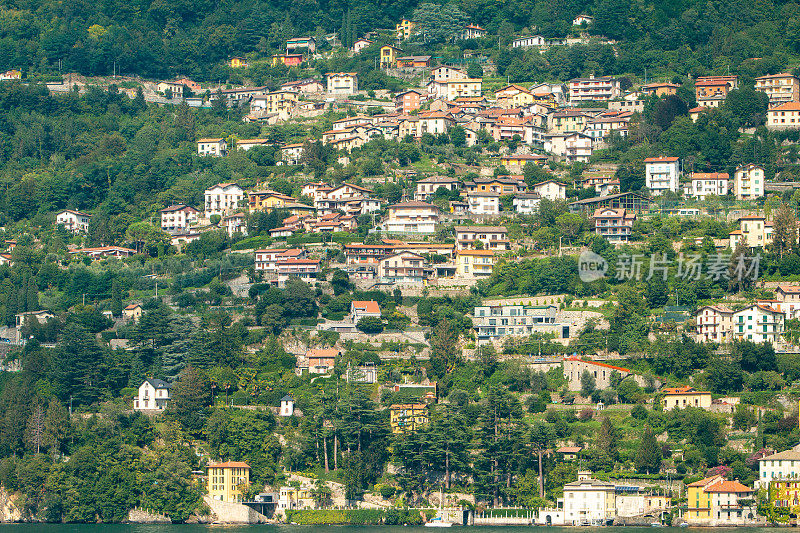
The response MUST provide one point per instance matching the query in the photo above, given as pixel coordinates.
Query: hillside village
(452, 298)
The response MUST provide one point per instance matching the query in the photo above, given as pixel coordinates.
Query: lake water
(160, 528)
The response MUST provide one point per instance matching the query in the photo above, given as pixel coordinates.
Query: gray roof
(287, 398)
(159, 384)
(792, 455)
(589, 483)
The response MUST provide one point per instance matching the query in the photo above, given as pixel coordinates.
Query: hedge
(354, 517)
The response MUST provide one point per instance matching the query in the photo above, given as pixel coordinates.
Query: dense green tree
(648, 455)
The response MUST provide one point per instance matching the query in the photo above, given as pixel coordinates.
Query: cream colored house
(780, 88)
(445, 73)
(754, 231)
(589, 502)
(457, 88)
(411, 217)
(216, 147)
(295, 498)
(784, 117)
(484, 203)
(490, 237)
(714, 323)
(154, 395)
(551, 189)
(686, 396)
(342, 82)
(402, 267)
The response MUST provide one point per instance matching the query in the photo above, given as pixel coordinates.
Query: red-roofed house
(784, 117)
(317, 361)
(711, 91)
(716, 501)
(662, 173)
(705, 184)
(364, 309)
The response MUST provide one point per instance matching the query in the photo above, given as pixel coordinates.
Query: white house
(154, 395)
(74, 221)
(364, 309)
(484, 203)
(551, 189)
(779, 466)
(223, 199)
(234, 223)
(428, 186)
(758, 323)
(178, 218)
(706, 184)
(527, 203)
(360, 44)
(287, 406)
(412, 217)
(491, 237)
(589, 502)
(528, 41)
(661, 174)
(748, 182)
(216, 147)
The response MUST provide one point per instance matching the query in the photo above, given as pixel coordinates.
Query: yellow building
(229, 481)
(389, 56)
(474, 263)
(265, 200)
(407, 417)
(686, 396)
(404, 29)
(716, 501)
(238, 62)
(698, 500)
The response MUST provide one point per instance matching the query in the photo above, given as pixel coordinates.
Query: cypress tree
(648, 456)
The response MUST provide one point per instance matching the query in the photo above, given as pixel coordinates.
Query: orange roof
(729, 486)
(686, 389)
(710, 176)
(229, 464)
(598, 364)
(368, 306)
(323, 353)
(703, 482)
(788, 106)
(475, 252)
(661, 159)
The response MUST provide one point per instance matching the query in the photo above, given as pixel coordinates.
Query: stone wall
(233, 513)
